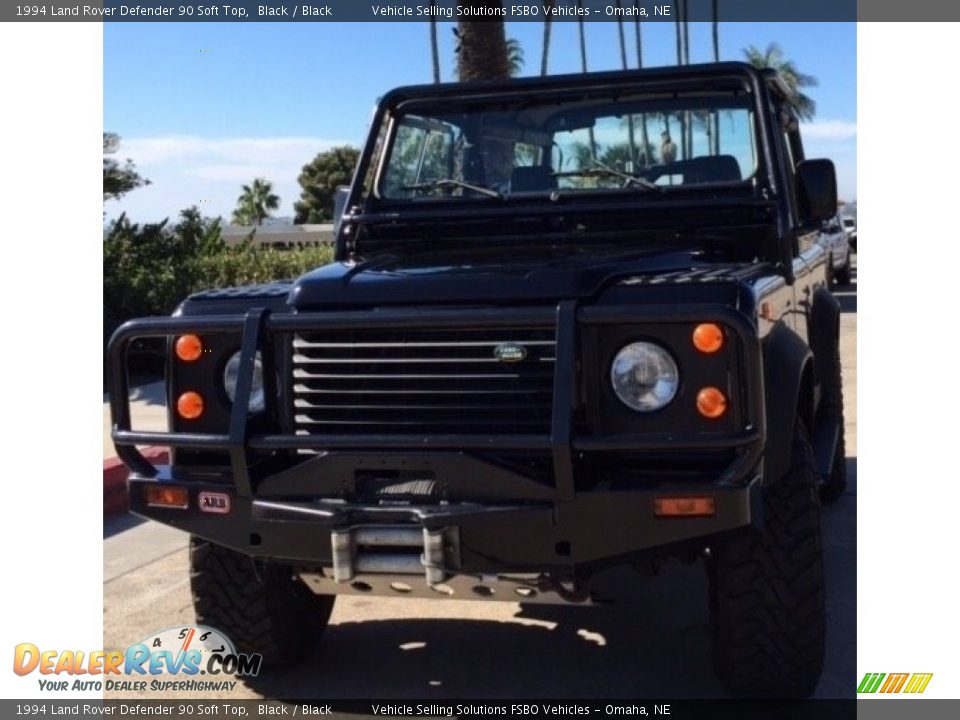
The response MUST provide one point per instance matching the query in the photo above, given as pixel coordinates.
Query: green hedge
(249, 264)
(150, 269)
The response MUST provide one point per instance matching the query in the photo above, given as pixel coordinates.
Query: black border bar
(387, 11)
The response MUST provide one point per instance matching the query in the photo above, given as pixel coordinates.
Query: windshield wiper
(598, 168)
(451, 183)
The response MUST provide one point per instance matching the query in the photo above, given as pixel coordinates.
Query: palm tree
(678, 26)
(483, 53)
(626, 66)
(434, 47)
(716, 31)
(803, 105)
(636, 34)
(643, 117)
(547, 26)
(687, 121)
(679, 34)
(515, 59)
(482, 45)
(255, 203)
(583, 67)
(715, 125)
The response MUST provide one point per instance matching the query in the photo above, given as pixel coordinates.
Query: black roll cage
(359, 206)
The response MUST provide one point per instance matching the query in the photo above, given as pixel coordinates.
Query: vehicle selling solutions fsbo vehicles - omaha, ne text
(573, 322)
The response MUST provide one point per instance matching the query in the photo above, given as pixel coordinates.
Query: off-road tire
(262, 607)
(767, 591)
(833, 485)
(842, 276)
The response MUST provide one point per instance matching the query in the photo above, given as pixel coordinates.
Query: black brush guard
(288, 527)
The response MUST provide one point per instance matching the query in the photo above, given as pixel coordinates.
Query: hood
(482, 277)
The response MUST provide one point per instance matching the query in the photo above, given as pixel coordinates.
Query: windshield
(586, 144)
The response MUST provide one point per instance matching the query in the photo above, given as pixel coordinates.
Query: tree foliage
(319, 180)
(772, 57)
(434, 46)
(199, 235)
(118, 179)
(144, 268)
(482, 52)
(255, 203)
(149, 269)
(515, 58)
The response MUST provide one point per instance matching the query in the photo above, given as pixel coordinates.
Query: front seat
(536, 178)
(711, 169)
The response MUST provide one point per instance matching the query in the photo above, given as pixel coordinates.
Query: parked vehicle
(541, 351)
(834, 240)
(850, 228)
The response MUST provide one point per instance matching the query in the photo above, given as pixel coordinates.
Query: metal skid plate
(409, 561)
(505, 588)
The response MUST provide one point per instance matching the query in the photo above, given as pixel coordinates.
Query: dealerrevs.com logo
(169, 660)
(910, 683)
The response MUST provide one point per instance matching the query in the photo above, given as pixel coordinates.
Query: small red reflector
(711, 403)
(189, 348)
(166, 496)
(190, 405)
(708, 337)
(684, 507)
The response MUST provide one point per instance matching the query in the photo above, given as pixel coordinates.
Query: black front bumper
(595, 528)
(504, 520)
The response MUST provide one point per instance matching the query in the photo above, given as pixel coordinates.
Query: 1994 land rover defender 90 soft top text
(573, 322)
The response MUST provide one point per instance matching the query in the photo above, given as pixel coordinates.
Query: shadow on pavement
(589, 652)
(118, 523)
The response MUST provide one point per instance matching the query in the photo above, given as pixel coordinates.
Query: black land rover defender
(572, 322)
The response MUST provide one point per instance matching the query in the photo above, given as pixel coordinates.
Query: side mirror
(340, 196)
(816, 190)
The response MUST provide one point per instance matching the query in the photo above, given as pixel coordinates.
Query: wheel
(766, 590)
(833, 485)
(262, 607)
(843, 274)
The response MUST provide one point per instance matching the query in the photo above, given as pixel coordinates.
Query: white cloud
(837, 140)
(191, 148)
(829, 130)
(190, 170)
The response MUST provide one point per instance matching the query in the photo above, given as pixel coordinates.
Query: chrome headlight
(230, 373)
(644, 376)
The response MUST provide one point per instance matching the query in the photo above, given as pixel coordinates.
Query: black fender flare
(788, 382)
(824, 331)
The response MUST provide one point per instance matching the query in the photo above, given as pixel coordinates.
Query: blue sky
(205, 107)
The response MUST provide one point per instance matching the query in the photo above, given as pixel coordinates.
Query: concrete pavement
(148, 409)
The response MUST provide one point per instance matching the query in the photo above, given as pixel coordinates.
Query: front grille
(440, 381)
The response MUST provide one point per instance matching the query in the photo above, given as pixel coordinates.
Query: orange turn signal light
(684, 507)
(711, 403)
(708, 337)
(166, 496)
(190, 405)
(189, 348)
